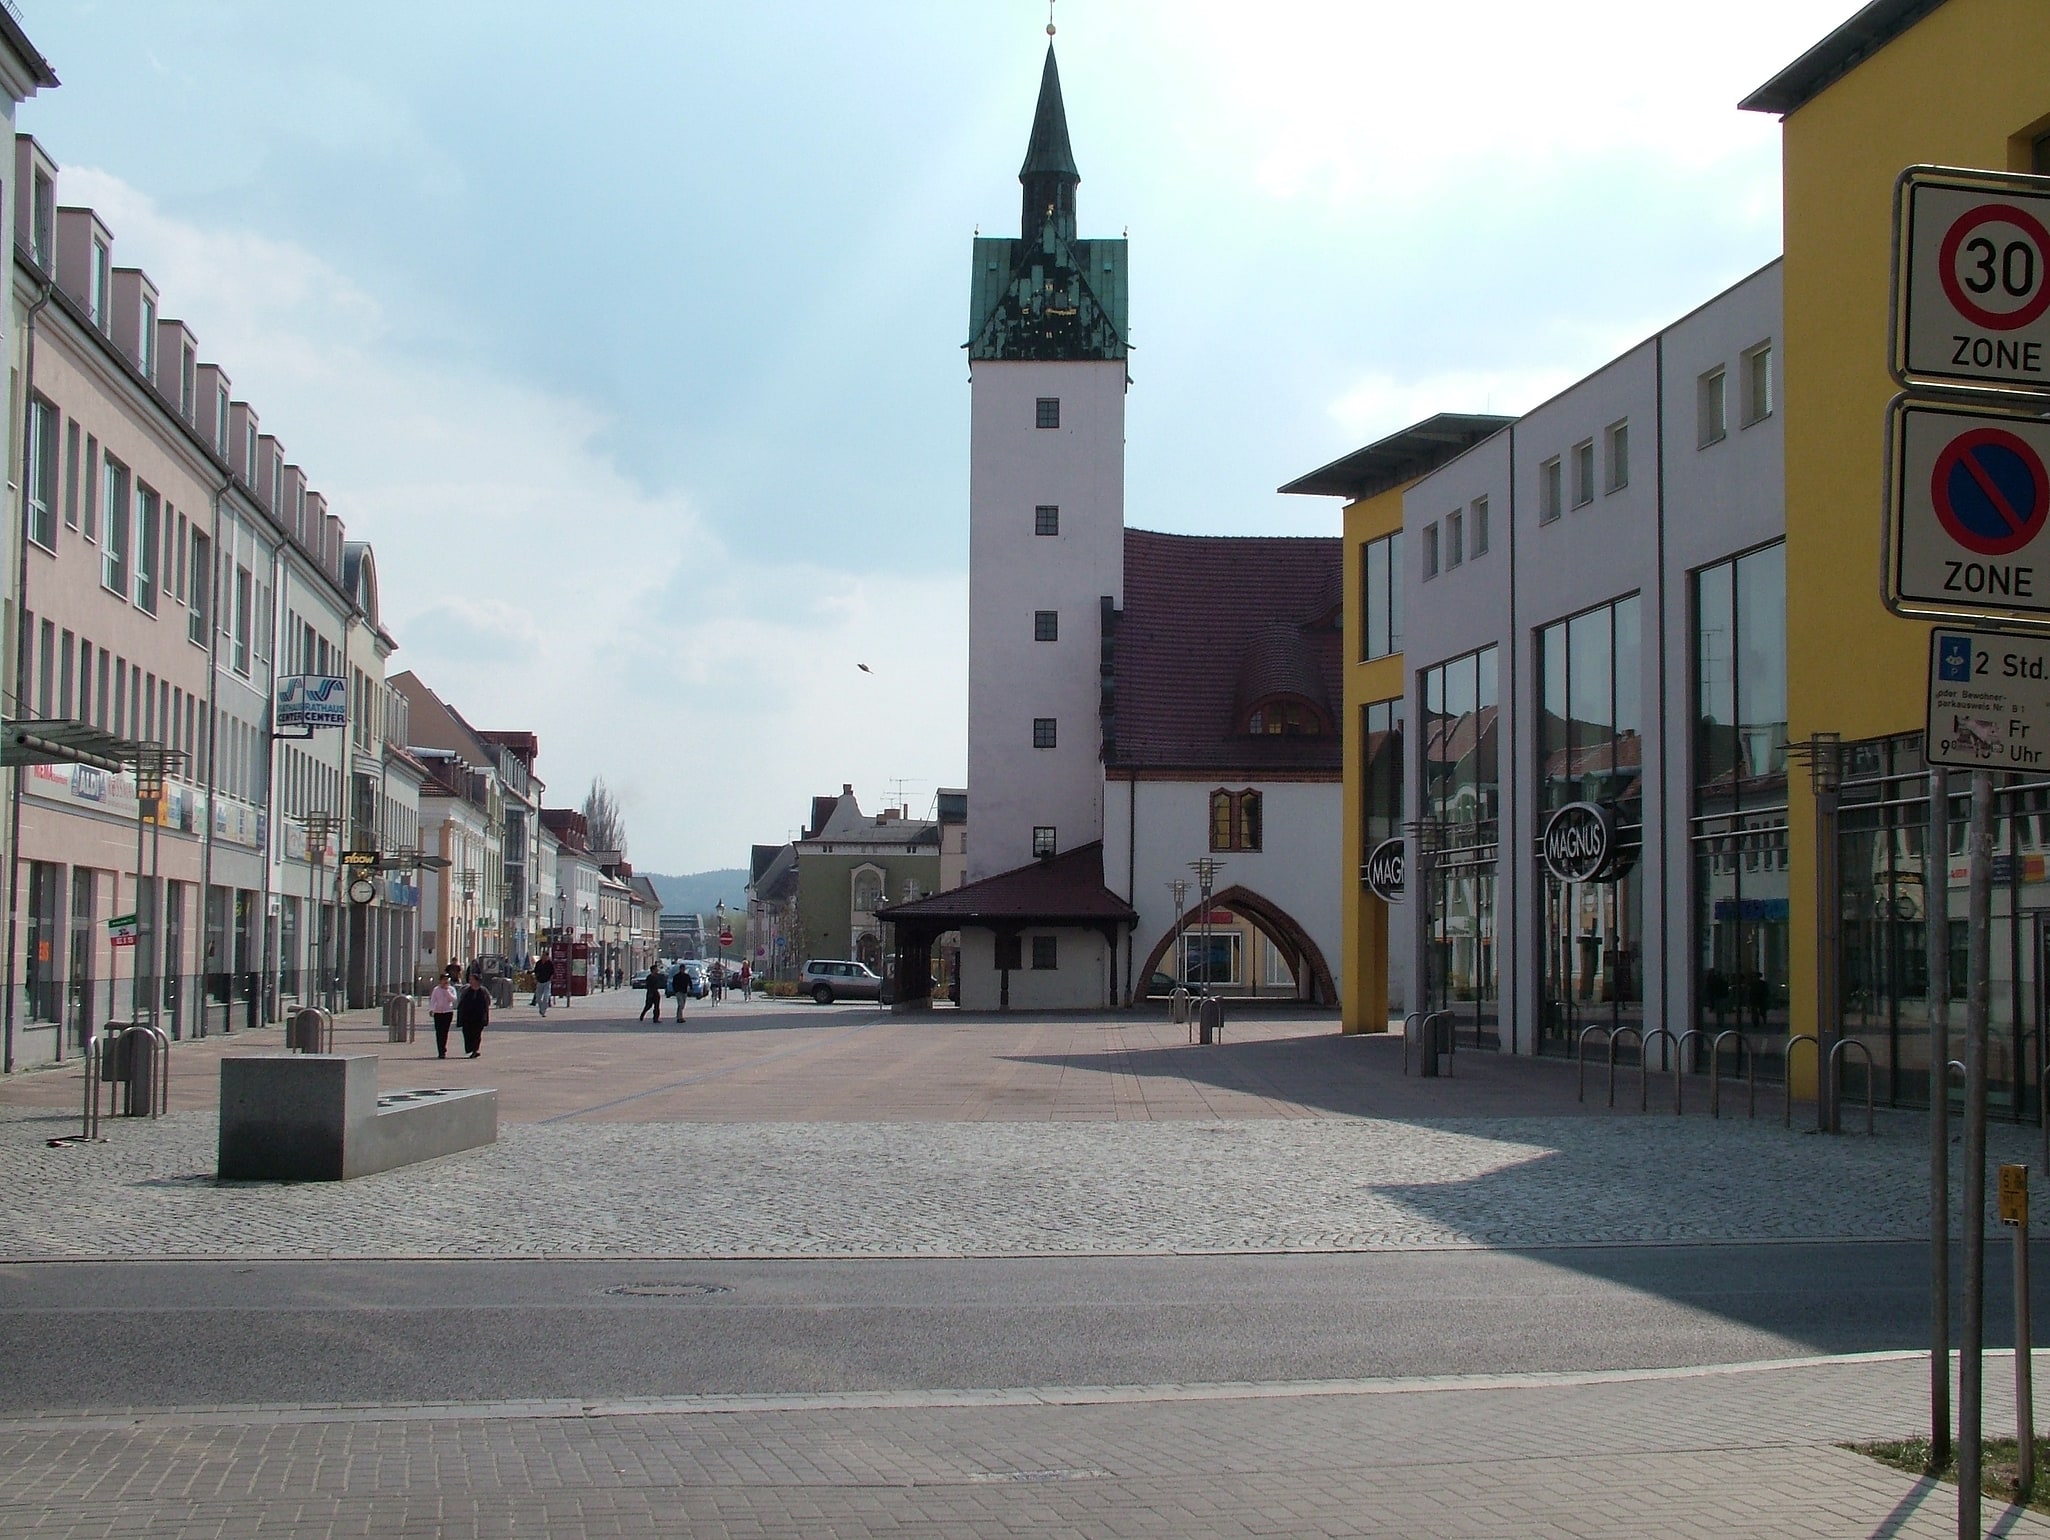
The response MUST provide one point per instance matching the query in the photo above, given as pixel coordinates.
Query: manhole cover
(667, 1290)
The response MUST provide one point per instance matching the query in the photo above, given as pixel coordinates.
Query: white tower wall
(1014, 468)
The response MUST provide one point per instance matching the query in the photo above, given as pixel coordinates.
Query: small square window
(1046, 519)
(1757, 383)
(1616, 457)
(1049, 412)
(1548, 490)
(1042, 732)
(1583, 473)
(1046, 953)
(1477, 527)
(1046, 625)
(1455, 539)
(1430, 544)
(1712, 410)
(1042, 840)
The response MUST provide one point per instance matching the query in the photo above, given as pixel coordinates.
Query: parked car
(1161, 985)
(828, 979)
(694, 970)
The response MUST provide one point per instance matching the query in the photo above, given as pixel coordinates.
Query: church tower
(1046, 512)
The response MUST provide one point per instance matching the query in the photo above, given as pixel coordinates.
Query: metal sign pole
(1936, 918)
(2014, 1211)
(1972, 1217)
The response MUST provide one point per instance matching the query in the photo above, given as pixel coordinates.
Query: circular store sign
(1583, 844)
(1385, 869)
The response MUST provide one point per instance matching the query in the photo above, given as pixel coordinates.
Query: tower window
(1042, 732)
(1046, 625)
(1049, 412)
(1042, 840)
(1235, 820)
(1046, 520)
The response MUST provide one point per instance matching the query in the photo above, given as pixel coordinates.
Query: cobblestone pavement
(1741, 1451)
(978, 1189)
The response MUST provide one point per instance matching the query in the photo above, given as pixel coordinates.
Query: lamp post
(1206, 871)
(319, 825)
(1180, 889)
(152, 762)
(469, 880)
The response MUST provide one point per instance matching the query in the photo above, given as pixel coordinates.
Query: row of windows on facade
(1588, 668)
(121, 304)
(1010, 953)
(1463, 534)
(148, 549)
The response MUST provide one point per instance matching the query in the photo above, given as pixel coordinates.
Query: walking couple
(468, 1007)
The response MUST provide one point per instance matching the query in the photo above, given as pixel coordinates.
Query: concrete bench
(304, 1117)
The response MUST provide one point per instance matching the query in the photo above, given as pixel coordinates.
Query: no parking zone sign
(1972, 301)
(1968, 499)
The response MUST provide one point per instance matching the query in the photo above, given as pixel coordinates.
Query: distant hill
(697, 892)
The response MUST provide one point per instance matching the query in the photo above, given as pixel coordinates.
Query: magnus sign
(1383, 873)
(1583, 844)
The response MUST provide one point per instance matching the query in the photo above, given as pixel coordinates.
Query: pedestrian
(442, 1006)
(718, 982)
(746, 978)
(679, 989)
(473, 1013)
(652, 1000)
(544, 983)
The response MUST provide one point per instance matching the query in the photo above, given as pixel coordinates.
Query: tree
(605, 823)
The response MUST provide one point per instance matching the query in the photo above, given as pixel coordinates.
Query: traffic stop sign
(725, 938)
(1972, 307)
(1968, 500)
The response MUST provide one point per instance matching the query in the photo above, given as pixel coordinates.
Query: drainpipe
(21, 643)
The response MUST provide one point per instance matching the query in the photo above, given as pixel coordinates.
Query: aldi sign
(312, 700)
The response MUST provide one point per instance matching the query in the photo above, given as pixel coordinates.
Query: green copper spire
(1049, 175)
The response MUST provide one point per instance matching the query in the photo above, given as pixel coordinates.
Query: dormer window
(43, 221)
(146, 344)
(1286, 717)
(221, 423)
(188, 383)
(101, 280)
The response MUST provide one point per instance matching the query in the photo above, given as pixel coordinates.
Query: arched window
(868, 890)
(1285, 716)
(1235, 822)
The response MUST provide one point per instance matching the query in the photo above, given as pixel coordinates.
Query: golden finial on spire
(1049, 18)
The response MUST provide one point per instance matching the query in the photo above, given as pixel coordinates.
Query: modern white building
(1617, 641)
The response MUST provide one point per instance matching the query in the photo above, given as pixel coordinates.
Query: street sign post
(1989, 701)
(1972, 292)
(1968, 504)
(121, 930)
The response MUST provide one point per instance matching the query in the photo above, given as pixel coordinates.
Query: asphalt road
(96, 1336)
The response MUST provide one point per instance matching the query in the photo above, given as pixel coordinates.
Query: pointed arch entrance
(1313, 980)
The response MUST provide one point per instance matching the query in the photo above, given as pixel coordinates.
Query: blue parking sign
(1954, 659)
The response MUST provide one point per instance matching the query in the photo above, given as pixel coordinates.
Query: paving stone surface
(978, 1189)
(1733, 1452)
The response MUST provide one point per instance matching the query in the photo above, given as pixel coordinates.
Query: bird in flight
(864, 668)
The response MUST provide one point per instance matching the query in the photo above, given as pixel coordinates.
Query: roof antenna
(1049, 18)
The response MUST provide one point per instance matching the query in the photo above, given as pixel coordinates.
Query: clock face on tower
(361, 890)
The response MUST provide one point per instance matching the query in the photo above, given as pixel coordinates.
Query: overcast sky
(630, 333)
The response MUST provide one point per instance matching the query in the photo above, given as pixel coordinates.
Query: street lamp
(1206, 871)
(469, 879)
(319, 825)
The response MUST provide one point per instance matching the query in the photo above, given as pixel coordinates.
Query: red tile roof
(1213, 625)
(1064, 889)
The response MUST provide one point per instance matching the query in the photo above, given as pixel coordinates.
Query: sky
(629, 334)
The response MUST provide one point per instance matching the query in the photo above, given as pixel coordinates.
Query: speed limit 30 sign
(1973, 305)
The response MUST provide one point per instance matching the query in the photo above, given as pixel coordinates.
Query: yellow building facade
(1372, 481)
(1903, 82)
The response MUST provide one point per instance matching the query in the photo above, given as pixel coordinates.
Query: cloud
(531, 582)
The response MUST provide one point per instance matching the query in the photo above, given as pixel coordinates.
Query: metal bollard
(310, 1030)
(146, 1088)
(1210, 1020)
(399, 1019)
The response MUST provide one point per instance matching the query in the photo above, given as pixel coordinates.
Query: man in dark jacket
(652, 987)
(544, 983)
(473, 1013)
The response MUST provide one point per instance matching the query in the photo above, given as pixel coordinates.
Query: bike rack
(1580, 1059)
(1835, 1083)
(1408, 1022)
(1634, 1032)
(1787, 1069)
(1680, 1062)
(1644, 1062)
(1746, 1056)
(156, 1095)
(1178, 1006)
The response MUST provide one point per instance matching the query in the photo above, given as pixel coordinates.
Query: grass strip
(1998, 1460)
